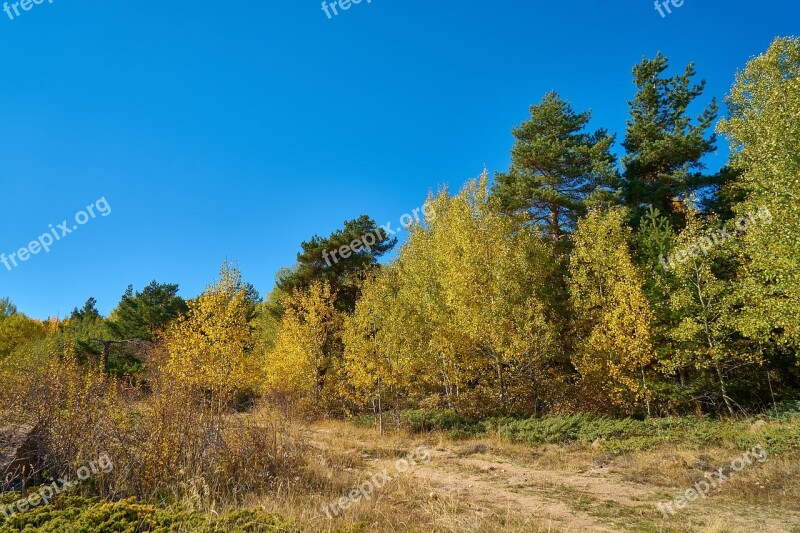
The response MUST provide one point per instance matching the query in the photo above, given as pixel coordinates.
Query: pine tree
(557, 167)
(142, 315)
(7, 308)
(664, 146)
(342, 260)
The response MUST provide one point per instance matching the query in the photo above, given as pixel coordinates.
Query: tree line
(551, 287)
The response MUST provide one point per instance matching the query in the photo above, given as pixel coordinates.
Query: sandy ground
(484, 480)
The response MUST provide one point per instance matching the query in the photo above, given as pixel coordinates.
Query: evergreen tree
(7, 308)
(557, 167)
(83, 332)
(341, 260)
(664, 146)
(141, 315)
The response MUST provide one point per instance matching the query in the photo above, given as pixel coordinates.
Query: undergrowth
(84, 515)
(779, 431)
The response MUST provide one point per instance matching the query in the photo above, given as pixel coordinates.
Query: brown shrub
(169, 443)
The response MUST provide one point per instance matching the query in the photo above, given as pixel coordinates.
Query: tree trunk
(380, 408)
(723, 389)
(106, 351)
(555, 227)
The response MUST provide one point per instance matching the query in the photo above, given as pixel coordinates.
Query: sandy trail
(553, 499)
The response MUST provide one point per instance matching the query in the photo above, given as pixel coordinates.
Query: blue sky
(239, 129)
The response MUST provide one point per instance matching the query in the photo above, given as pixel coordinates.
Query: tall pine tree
(557, 167)
(363, 243)
(664, 145)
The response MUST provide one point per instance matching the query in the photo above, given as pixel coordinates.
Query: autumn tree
(267, 320)
(381, 371)
(702, 299)
(461, 314)
(764, 131)
(612, 318)
(388, 356)
(209, 348)
(16, 329)
(305, 361)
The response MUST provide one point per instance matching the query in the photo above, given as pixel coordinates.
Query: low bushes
(778, 434)
(85, 515)
(170, 445)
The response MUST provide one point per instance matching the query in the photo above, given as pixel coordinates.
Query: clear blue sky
(238, 129)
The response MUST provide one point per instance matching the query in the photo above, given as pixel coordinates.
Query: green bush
(787, 410)
(774, 439)
(85, 515)
(456, 425)
(583, 429)
(617, 435)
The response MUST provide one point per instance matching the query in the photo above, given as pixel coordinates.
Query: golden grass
(341, 455)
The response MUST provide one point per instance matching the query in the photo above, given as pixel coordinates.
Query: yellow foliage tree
(612, 316)
(208, 349)
(764, 131)
(17, 330)
(460, 315)
(306, 357)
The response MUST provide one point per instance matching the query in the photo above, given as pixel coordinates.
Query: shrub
(456, 425)
(85, 515)
(618, 435)
(170, 444)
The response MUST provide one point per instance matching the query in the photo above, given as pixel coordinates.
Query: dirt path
(593, 500)
(491, 490)
(487, 486)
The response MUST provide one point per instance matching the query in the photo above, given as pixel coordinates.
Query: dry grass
(168, 448)
(566, 485)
